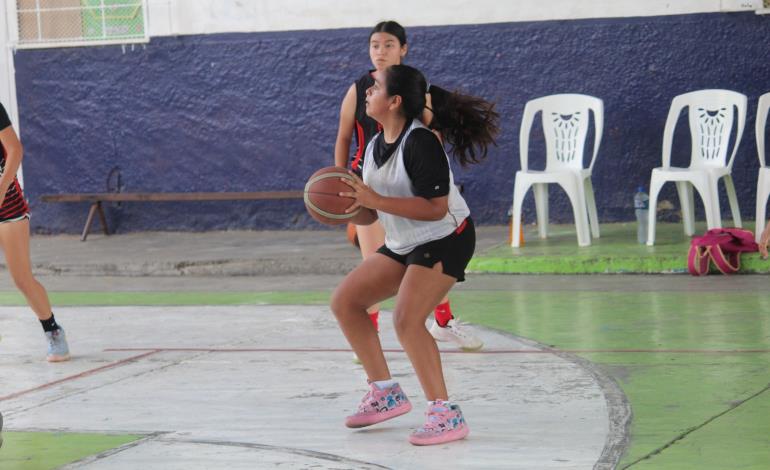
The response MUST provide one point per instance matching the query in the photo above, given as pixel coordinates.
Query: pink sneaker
(379, 405)
(444, 422)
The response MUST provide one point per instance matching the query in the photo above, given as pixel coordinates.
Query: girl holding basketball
(387, 46)
(429, 239)
(14, 240)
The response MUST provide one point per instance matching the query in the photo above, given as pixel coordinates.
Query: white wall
(174, 17)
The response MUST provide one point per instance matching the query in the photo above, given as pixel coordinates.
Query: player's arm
(428, 167)
(345, 131)
(416, 207)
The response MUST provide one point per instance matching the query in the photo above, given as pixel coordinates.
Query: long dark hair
(468, 123)
(392, 28)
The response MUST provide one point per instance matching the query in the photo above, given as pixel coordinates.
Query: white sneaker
(458, 333)
(58, 350)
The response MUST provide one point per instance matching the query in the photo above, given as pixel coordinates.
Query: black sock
(50, 324)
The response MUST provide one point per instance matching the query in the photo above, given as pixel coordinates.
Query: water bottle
(642, 209)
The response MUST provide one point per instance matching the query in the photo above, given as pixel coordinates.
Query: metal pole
(104, 20)
(8, 23)
(39, 21)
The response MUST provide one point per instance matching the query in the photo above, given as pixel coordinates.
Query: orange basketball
(322, 198)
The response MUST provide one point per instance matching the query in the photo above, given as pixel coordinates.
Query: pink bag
(723, 246)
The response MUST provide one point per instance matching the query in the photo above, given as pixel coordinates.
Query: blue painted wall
(246, 112)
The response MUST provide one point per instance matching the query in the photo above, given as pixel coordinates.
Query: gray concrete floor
(236, 387)
(264, 386)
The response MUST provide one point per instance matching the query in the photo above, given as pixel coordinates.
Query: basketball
(322, 198)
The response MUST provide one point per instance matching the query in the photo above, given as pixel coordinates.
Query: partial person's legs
(14, 239)
(447, 328)
(421, 288)
(443, 312)
(370, 238)
(375, 279)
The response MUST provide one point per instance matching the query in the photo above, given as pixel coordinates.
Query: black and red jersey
(365, 127)
(14, 205)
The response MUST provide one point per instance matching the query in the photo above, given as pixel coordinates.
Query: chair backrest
(710, 116)
(565, 120)
(762, 109)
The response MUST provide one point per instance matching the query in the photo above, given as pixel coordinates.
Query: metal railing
(63, 23)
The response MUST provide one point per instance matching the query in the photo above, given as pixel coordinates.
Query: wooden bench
(96, 200)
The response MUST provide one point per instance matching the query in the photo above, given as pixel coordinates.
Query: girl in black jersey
(429, 239)
(387, 46)
(14, 239)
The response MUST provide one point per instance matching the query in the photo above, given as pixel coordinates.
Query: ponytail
(468, 123)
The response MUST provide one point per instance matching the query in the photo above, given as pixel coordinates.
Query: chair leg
(541, 208)
(655, 185)
(709, 194)
(687, 202)
(760, 220)
(763, 192)
(733, 198)
(593, 215)
(716, 210)
(574, 190)
(520, 189)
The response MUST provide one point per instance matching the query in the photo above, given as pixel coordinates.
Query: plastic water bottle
(642, 209)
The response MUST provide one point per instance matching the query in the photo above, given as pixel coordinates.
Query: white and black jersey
(415, 165)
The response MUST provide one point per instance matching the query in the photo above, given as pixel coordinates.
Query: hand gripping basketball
(326, 203)
(322, 196)
(364, 196)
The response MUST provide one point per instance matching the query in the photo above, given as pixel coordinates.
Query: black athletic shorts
(453, 251)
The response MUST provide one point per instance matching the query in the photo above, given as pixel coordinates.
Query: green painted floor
(616, 251)
(695, 366)
(44, 450)
(174, 298)
(686, 361)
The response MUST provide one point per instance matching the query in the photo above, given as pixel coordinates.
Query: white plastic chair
(710, 116)
(565, 120)
(763, 182)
